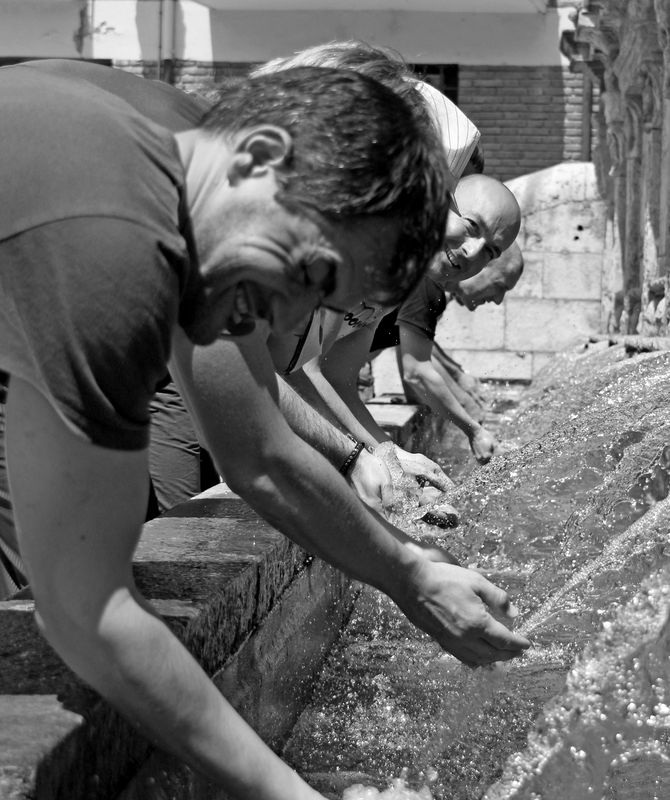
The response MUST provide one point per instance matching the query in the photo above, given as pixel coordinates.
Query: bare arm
(421, 374)
(231, 388)
(79, 509)
(335, 377)
(369, 476)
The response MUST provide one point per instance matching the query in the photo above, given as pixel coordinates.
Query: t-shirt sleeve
(423, 308)
(86, 316)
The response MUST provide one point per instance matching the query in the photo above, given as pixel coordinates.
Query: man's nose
(476, 253)
(499, 298)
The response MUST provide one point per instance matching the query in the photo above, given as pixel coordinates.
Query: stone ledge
(216, 572)
(256, 610)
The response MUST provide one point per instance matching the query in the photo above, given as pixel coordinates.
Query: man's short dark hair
(358, 150)
(381, 63)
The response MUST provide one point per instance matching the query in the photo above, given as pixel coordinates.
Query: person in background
(460, 139)
(422, 362)
(137, 250)
(485, 226)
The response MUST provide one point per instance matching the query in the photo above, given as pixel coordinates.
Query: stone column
(662, 8)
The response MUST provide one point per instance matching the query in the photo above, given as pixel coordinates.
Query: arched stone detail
(652, 95)
(662, 8)
(633, 117)
(612, 105)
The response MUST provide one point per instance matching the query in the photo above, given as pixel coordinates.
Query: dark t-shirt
(421, 311)
(96, 257)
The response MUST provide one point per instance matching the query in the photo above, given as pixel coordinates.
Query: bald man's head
(493, 282)
(484, 224)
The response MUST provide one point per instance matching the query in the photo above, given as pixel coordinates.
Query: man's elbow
(257, 477)
(416, 377)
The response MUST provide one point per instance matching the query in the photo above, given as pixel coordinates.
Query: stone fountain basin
(256, 610)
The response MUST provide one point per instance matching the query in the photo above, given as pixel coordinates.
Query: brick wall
(191, 76)
(530, 117)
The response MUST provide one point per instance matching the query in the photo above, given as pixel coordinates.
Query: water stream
(573, 521)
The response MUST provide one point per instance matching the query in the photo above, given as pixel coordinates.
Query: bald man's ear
(258, 149)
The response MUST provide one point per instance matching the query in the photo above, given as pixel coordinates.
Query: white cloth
(458, 134)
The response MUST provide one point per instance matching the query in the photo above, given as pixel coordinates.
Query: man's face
(261, 261)
(485, 223)
(489, 286)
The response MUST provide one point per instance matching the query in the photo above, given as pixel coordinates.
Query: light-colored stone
(550, 325)
(530, 283)
(568, 227)
(496, 364)
(571, 276)
(540, 361)
(483, 329)
(548, 187)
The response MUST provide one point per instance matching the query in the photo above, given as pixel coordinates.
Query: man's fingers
(440, 480)
(387, 499)
(479, 652)
(502, 638)
(496, 599)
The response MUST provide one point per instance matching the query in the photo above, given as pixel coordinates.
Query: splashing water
(572, 520)
(397, 790)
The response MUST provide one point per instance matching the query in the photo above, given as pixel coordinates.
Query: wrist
(348, 464)
(351, 459)
(473, 430)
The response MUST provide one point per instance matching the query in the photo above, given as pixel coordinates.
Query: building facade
(624, 45)
(505, 62)
(499, 59)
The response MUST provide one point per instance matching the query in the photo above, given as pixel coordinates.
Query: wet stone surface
(571, 519)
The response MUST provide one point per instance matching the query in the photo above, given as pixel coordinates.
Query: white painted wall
(129, 30)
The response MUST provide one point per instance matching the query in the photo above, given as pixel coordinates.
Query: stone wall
(625, 48)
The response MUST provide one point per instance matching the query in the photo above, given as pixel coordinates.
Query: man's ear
(259, 149)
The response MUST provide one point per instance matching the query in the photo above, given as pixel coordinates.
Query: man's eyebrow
(486, 230)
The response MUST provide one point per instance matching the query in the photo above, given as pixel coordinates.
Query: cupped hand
(458, 608)
(483, 445)
(372, 482)
(422, 467)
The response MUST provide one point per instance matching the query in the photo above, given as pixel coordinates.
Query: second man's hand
(421, 467)
(456, 606)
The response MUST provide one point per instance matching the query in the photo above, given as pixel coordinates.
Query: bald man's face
(489, 286)
(485, 223)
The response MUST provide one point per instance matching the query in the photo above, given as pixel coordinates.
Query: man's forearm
(347, 407)
(311, 425)
(286, 480)
(137, 664)
(434, 391)
(293, 486)
(79, 509)
(297, 485)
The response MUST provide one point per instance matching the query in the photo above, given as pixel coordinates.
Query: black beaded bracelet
(350, 460)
